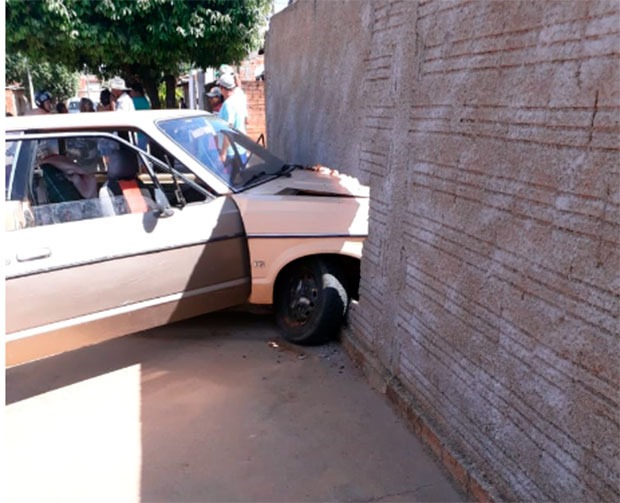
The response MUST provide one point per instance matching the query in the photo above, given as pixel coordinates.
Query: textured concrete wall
(312, 76)
(489, 135)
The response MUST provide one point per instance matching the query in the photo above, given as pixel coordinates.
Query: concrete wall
(313, 73)
(489, 135)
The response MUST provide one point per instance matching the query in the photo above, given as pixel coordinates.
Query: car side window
(86, 153)
(79, 178)
(179, 185)
(177, 180)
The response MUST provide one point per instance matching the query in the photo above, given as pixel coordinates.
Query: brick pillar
(255, 92)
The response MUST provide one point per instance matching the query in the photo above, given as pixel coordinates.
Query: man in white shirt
(124, 102)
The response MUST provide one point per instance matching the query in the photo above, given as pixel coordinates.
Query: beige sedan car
(119, 222)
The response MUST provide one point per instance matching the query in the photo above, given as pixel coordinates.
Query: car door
(76, 275)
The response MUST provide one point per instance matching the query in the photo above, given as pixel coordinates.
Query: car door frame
(126, 273)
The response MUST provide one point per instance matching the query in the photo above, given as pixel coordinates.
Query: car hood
(315, 181)
(310, 202)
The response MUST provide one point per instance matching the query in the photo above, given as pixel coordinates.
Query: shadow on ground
(217, 408)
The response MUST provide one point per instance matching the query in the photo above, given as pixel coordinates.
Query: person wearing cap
(43, 100)
(227, 69)
(233, 111)
(215, 100)
(124, 103)
(224, 69)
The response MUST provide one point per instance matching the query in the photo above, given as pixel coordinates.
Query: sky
(278, 5)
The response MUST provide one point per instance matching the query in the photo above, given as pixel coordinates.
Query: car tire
(311, 301)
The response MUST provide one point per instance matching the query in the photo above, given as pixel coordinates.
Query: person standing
(234, 113)
(234, 109)
(137, 95)
(215, 100)
(43, 100)
(124, 103)
(61, 108)
(140, 103)
(86, 105)
(106, 101)
(227, 69)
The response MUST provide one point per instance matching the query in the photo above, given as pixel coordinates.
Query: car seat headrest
(122, 165)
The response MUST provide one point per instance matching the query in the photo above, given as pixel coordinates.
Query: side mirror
(163, 207)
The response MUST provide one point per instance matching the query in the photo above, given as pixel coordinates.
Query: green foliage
(55, 78)
(161, 92)
(145, 39)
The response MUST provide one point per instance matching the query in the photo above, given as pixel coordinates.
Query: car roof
(93, 120)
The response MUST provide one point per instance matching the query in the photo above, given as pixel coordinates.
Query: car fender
(282, 229)
(268, 256)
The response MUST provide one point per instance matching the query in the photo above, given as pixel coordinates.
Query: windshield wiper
(254, 177)
(286, 169)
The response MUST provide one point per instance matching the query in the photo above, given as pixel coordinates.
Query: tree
(55, 78)
(146, 40)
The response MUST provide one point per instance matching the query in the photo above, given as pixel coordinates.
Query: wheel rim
(304, 294)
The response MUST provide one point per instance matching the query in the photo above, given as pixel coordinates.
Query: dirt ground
(213, 409)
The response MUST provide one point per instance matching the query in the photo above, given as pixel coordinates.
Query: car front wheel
(311, 301)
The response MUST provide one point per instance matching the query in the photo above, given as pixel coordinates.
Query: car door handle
(34, 254)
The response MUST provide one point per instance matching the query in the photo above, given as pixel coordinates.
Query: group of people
(228, 100)
(119, 97)
(225, 98)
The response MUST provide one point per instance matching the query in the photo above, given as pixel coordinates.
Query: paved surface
(212, 409)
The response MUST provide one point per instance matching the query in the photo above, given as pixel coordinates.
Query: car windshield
(224, 151)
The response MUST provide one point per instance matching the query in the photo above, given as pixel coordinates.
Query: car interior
(81, 177)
